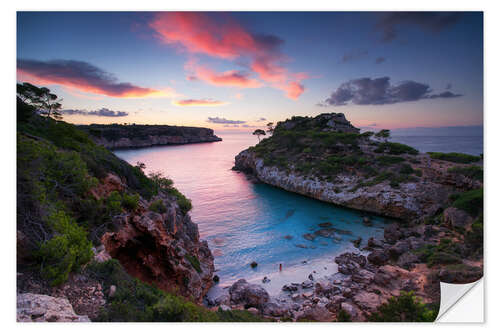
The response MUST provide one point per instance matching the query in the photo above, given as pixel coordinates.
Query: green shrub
(404, 308)
(454, 157)
(158, 206)
(445, 253)
(183, 202)
(307, 150)
(66, 251)
(395, 148)
(406, 169)
(470, 201)
(343, 316)
(194, 262)
(473, 171)
(136, 301)
(130, 201)
(388, 160)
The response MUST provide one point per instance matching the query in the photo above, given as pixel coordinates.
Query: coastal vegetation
(405, 308)
(455, 157)
(66, 202)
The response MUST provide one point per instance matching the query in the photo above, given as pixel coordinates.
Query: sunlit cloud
(231, 78)
(198, 102)
(220, 36)
(84, 77)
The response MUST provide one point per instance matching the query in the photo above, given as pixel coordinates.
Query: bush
(183, 202)
(343, 316)
(158, 206)
(404, 308)
(471, 202)
(136, 301)
(66, 251)
(395, 148)
(406, 169)
(194, 262)
(130, 201)
(388, 160)
(474, 238)
(455, 157)
(473, 171)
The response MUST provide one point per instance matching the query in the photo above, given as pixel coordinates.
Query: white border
(491, 118)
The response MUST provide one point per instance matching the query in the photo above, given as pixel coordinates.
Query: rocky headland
(437, 198)
(117, 136)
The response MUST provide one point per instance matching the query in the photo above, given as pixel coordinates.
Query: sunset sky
(240, 70)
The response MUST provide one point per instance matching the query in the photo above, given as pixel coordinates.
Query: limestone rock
(35, 307)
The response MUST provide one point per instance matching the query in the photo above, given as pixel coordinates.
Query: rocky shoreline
(140, 136)
(366, 279)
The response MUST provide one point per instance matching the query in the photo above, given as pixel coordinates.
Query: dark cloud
(262, 119)
(217, 120)
(81, 75)
(389, 23)
(99, 113)
(378, 91)
(354, 55)
(446, 94)
(379, 60)
(448, 86)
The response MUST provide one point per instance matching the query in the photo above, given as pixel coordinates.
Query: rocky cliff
(325, 158)
(137, 136)
(162, 247)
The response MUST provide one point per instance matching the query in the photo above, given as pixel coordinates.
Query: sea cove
(245, 222)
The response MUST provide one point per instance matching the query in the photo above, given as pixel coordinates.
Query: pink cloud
(198, 102)
(222, 37)
(228, 78)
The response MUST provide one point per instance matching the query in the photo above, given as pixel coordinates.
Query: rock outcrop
(138, 136)
(40, 308)
(279, 163)
(164, 249)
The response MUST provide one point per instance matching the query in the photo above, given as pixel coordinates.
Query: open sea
(245, 222)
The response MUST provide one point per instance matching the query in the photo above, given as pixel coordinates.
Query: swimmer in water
(281, 267)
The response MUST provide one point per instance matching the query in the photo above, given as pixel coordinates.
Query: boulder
(398, 249)
(273, 309)
(407, 260)
(315, 313)
(350, 262)
(372, 242)
(39, 308)
(457, 218)
(289, 287)
(378, 257)
(363, 276)
(392, 233)
(250, 295)
(366, 300)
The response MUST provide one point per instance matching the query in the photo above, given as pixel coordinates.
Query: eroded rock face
(40, 308)
(407, 202)
(163, 249)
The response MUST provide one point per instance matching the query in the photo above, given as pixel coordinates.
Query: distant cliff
(116, 136)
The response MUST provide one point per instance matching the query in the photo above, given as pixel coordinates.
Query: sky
(241, 70)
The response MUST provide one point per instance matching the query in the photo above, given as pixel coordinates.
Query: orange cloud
(83, 77)
(220, 36)
(229, 78)
(294, 90)
(198, 102)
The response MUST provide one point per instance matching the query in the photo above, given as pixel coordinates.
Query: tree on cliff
(41, 99)
(270, 128)
(384, 134)
(259, 132)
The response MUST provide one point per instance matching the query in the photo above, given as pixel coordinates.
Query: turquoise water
(245, 222)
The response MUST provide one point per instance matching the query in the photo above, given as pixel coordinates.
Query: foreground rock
(40, 308)
(248, 295)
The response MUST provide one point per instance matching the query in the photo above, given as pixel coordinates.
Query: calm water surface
(245, 222)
